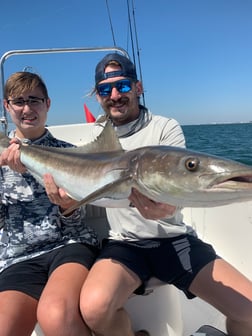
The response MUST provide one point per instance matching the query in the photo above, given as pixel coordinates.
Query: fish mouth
(234, 182)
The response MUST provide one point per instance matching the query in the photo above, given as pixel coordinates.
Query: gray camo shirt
(30, 224)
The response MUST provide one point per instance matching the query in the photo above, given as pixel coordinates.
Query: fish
(102, 173)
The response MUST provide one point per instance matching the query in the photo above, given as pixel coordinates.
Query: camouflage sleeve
(2, 206)
(76, 218)
(2, 215)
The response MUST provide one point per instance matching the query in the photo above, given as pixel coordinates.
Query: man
(147, 236)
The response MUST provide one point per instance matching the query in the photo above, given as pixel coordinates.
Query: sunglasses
(122, 86)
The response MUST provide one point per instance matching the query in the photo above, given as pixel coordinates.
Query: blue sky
(196, 55)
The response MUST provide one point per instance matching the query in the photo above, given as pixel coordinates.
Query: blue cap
(128, 69)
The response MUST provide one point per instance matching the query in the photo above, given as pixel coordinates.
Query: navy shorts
(30, 276)
(175, 260)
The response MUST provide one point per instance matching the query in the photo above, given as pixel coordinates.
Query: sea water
(232, 141)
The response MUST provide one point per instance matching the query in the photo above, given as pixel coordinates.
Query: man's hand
(11, 157)
(57, 195)
(150, 209)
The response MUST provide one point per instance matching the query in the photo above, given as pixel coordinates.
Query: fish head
(188, 178)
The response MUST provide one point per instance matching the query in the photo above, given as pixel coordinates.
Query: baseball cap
(128, 69)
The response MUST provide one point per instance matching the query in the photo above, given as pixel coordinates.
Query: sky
(195, 55)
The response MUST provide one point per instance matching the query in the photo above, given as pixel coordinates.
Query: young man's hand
(11, 157)
(57, 195)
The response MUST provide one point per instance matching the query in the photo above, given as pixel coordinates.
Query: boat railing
(8, 54)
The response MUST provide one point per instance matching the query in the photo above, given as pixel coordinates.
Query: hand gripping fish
(102, 173)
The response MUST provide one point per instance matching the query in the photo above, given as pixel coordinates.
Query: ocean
(232, 141)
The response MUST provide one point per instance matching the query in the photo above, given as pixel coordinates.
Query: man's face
(122, 106)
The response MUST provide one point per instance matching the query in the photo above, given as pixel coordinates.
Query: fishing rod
(137, 48)
(132, 26)
(110, 22)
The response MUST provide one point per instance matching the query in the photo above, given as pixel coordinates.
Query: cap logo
(113, 74)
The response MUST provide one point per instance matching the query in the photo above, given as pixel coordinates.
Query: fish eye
(192, 164)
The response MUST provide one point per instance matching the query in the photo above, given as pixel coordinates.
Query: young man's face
(28, 111)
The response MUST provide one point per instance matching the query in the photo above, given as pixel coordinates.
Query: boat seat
(97, 219)
(151, 285)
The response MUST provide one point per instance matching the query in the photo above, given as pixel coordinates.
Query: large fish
(102, 173)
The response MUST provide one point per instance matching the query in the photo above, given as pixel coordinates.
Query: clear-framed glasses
(19, 103)
(122, 86)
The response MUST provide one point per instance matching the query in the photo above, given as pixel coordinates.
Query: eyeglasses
(122, 86)
(20, 103)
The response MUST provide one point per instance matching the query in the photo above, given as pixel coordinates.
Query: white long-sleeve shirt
(127, 223)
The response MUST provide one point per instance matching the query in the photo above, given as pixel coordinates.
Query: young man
(45, 257)
(147, 237)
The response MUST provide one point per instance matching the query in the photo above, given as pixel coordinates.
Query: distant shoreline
(220, 123)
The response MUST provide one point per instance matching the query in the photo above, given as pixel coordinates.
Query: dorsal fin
(107, 141)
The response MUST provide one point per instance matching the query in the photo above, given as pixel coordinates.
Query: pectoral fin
(98, 194)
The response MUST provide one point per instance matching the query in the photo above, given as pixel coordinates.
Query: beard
(118, 110)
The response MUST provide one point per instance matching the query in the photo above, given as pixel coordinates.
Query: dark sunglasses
(122, 86)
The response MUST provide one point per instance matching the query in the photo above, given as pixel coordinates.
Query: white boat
(165, 311)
